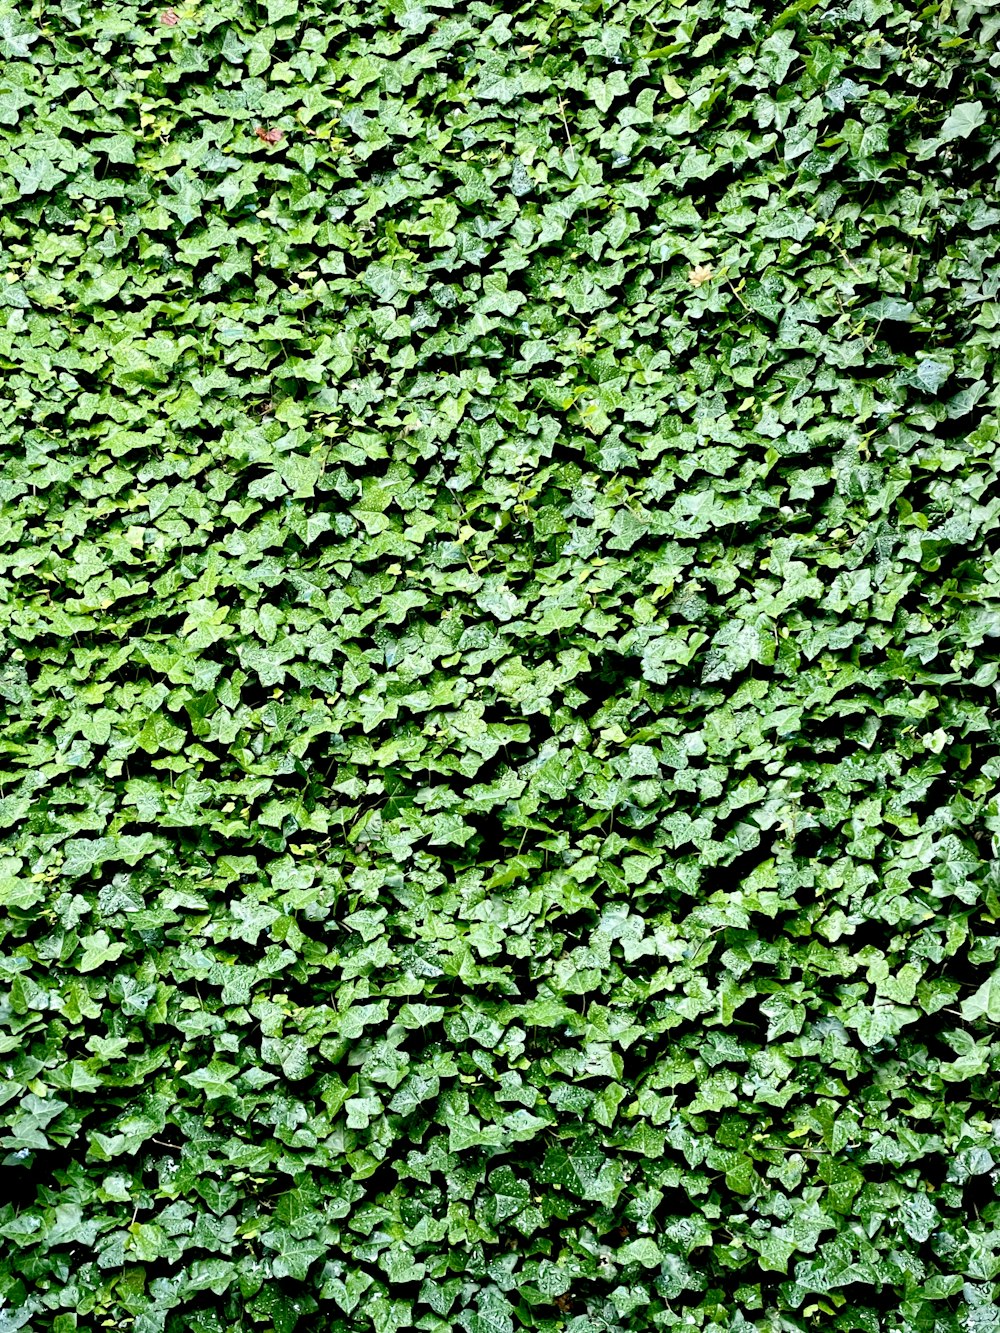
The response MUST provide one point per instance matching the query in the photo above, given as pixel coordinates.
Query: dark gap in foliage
(614, 671)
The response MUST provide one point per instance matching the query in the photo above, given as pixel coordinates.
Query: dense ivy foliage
(500, 663)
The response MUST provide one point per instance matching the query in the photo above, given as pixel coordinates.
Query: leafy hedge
(500, 652)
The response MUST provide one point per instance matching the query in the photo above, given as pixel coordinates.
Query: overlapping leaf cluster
(500, 614)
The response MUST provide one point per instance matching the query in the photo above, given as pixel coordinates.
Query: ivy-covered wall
(500, 639)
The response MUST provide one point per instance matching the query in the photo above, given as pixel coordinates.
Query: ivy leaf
(39, 175)
(985, 1002)
(98, 949)
(962, 121)
(292, 1257)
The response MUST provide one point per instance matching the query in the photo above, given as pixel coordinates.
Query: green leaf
(985, 1002)
(98, 949)
(277, 10)
(962, 121)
